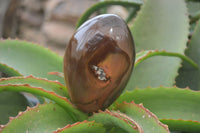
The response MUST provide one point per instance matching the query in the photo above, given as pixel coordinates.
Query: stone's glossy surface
(98, 62)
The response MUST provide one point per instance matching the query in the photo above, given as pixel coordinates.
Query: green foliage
(29, 59)
(85, 127)
(113, 121)
(10, 104)
(169, 105)
(160, 25)
(188, 76)
(145, 120)
(143, 55)
(47, 85)
(62, 101)
(37, 120)
(159, 28)
(105, 3)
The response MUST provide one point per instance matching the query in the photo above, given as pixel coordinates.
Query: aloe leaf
(28, 58)
(194, 14)
(39, 119)
(10, 104)
(189, 76)
(183, 126)
(193, 6)
(145, 119)
(83, 127)
(10, 72)
(194, 10)
(178, 108)
(47, 85)
(143, 55)
(156, 27)
(114, 121)
(195, 17)
(62, 101)
(132, 14)
(105, 3)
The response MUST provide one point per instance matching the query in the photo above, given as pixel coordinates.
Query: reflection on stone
(98, 62)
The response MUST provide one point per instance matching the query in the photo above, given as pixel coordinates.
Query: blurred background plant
(47, 22)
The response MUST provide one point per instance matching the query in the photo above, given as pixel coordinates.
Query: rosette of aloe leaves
(97, 90)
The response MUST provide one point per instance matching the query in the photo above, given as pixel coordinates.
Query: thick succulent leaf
(54, 86)
(9, 71)
(183, 126)
(194, 10)
(10, 104)
(156, 27)
(145, 119)
(105, 3)
(39, 119)
(143, 55)
(189, 76)
(62, 101)
(169, 104)
(83, 127)
(193, 6)
(114, 122)
(28, 58)
(194, 18)
(132, 14)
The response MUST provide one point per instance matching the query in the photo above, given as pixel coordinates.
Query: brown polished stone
(98, 62)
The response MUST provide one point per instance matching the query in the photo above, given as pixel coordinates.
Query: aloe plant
(161, 95)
